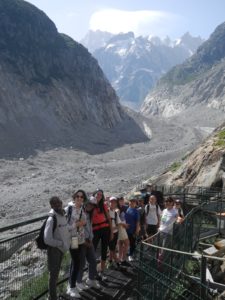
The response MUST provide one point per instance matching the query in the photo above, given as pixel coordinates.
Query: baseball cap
(112, 198)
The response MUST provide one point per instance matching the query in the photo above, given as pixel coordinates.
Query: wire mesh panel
(23, 267)
(168, 271)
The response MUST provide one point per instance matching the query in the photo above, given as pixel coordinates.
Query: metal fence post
(203, 278)
(140, 272)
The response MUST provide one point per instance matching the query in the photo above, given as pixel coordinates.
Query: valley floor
(27, 184)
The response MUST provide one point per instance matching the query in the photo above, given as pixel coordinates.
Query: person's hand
(80, 223)
(126, 225)
(179, 220)
(137, 232)
(88, 243)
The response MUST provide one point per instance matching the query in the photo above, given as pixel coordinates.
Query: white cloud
(142, 22)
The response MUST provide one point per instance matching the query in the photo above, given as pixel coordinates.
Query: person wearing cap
(133, 220)
(115, 219)
(123, 240)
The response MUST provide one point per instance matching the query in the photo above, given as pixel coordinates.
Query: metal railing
(23, 271)
(23, 267)
(170, 268)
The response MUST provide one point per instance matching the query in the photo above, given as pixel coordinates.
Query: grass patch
(34, 287)
(37, 285)
(220, 139)
(175, 166)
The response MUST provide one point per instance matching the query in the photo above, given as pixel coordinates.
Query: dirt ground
(28, 183)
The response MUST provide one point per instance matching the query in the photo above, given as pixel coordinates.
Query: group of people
(87, 221)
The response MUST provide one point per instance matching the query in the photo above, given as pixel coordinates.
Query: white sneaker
(93, 283)
(101, 276)
(130, 258)
(68, 290)
(74, 293)
(81, 286)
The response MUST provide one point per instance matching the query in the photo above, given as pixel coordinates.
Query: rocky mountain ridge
(95, 39)
(200, 79)
(51, 89)
(134, 64)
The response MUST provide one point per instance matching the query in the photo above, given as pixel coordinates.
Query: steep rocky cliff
(50, 85)
(200, 80)
(203, 167)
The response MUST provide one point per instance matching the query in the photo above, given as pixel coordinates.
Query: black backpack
(40, 238)
(157, 209)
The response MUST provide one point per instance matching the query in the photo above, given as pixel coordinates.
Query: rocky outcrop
(50, 85)
(203, 167)
(199, 80)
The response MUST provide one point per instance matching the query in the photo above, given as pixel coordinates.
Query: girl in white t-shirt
(115, 220)
(168, 218)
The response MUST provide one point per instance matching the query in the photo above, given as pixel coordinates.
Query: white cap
(112, 198)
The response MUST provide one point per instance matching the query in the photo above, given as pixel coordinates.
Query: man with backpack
(151, 190)
(57, 238)
(153, 213)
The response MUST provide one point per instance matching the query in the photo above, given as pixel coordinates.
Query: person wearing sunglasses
(77, 220)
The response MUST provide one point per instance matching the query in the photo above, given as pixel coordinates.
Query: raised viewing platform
(192, 268)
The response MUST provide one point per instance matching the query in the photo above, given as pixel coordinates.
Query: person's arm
(110, 223)
(88, 233)
(159, 212)
(48, 234)
(137, 224)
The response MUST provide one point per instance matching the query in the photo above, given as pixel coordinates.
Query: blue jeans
(77, 263)
(92, 264)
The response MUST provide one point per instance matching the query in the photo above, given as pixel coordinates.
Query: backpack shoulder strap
(157, 211)
(116, 218)
(81, 211)
(147, 209)
(69, 212)
(54, 221)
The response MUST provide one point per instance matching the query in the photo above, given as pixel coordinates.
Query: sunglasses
(80, 196)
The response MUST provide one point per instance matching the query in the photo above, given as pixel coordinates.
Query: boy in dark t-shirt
(133, 220)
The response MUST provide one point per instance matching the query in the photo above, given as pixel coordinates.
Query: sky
(160, 18)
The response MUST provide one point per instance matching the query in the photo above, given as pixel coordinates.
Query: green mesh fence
(173, 271)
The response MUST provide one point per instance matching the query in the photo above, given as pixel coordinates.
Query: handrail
(23, 223)
(196, 255)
